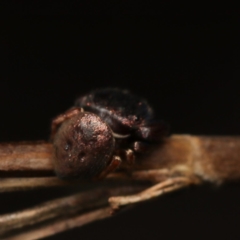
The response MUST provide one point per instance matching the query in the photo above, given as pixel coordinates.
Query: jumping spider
(105, 127)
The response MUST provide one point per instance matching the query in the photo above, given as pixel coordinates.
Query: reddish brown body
(106, 127)
(81, 143)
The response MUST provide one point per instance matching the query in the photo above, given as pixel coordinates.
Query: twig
(152, 192)
(215, 159)
(49, 210)
(17, 184)
(26, 159)
(63, 207)
(63, 225)
(179, 161)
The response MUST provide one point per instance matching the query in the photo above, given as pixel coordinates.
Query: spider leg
(114, 164)
(128, 155)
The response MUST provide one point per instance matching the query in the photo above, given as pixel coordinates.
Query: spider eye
(137, 118)
(68, 145)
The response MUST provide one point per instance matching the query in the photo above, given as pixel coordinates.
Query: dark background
(188, 69)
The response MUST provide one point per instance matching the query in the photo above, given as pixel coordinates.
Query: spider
(104, 128)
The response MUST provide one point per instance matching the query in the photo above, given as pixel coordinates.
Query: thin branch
(26, 158)
(179, 161)
(63, 225)
(157, 190)
(63, 207)
(17, 184)
(215, 159)
(30, 183)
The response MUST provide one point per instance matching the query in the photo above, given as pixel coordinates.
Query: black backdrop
(187, 69)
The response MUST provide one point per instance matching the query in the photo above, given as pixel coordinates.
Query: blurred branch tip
(178, 162)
